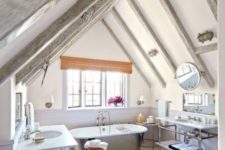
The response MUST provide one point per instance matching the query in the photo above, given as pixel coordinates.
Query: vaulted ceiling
(167, 29)
(17, 16)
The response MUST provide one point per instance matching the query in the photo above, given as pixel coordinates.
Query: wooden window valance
(95, 64)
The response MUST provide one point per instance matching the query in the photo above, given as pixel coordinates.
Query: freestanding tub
(119, 136)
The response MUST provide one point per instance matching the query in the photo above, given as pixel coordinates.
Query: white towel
(96, 143)
(163, 108)
(183, 146)
(29, 110)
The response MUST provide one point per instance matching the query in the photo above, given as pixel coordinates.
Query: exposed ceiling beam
(187, 41)
(125, 51)
(206, 48)
(142, 51)
(46, 38)
(31, 73)
(31, 77)
(73, 32)
(213, 7)
(19, 20)
(148, 27)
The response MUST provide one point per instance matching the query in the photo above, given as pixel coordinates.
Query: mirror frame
(197, 72)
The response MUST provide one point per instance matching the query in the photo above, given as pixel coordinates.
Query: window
(92, 88)
(95, 88)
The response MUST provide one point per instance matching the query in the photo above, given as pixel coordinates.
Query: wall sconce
(50, 103)
(140, 100)
(205, 36)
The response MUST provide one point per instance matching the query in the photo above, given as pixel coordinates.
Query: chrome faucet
(100, 116)
(100, 120)
(109, 119)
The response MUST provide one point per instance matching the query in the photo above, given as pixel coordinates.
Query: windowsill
(94, 108)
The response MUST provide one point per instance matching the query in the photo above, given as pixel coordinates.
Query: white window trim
(65, 100)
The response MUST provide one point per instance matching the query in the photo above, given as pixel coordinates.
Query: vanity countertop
(65, 140)
(197, 125)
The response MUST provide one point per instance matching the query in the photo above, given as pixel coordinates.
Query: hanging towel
(29, 112)
(163, 108)
(183, 146)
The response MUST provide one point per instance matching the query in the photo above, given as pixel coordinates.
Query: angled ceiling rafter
(141, 50)
(25, 23)
(171, 13)
(206, 48)
(44, 39)
(151, 32)
(125, 51)
(66, 39)
(213, 7)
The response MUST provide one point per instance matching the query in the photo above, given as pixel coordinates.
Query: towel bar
(168, 101)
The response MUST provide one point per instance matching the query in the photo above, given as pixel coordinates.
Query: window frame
(123, 89)
(104, 105)
(80, 89)
(84, 90)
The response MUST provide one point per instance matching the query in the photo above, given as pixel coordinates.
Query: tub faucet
(100, 116)
(109, 119)
(100, 120)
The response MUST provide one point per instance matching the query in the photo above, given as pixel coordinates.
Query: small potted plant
(115, 100)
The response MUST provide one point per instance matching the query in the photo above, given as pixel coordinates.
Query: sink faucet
(27, 134)
(195, 118)
(100, 120)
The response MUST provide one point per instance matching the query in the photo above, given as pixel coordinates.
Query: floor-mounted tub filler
(119, 136)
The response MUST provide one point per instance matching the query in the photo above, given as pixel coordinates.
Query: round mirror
(188, 76)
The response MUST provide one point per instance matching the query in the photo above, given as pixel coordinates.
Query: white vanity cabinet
(63, 141)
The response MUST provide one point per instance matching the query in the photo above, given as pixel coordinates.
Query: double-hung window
(89, 88)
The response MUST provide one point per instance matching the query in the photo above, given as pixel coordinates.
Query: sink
(49, 134)
(183, 120)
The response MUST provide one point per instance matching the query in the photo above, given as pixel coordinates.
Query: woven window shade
(95, 64)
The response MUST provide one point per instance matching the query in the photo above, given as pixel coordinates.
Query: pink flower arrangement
(115, 100)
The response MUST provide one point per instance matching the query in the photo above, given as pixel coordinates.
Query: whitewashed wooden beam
(148, 27)
(186, 40)
(33, 74)
(47, 37)
(125, 51)
(20, 17)
(206, 48)
(140, 48)
(213, 7)
(73, 32)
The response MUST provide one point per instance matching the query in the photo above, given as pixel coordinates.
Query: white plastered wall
(97, 43)
(5, 110)
(221, 75)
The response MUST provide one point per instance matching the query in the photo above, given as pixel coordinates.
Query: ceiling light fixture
(205, 36)
(152, 53)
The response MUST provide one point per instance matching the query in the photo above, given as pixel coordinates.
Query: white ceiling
(195, 15)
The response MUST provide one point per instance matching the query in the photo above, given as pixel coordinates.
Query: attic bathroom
(112, 75)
